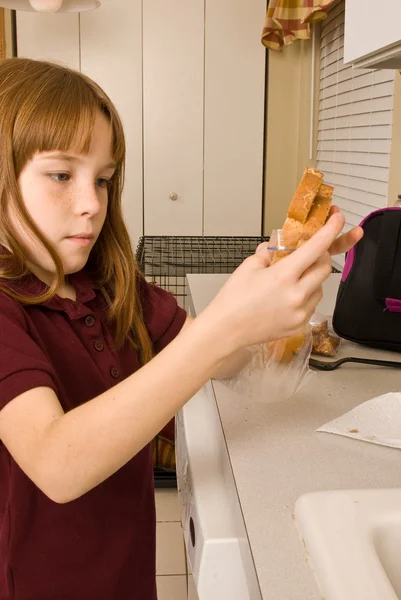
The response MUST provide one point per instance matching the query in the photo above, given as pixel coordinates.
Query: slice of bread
(319, 212)
(306, 215)
(317, 215)
(305, 194)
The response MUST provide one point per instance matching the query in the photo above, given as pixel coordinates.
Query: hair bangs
(61, 119)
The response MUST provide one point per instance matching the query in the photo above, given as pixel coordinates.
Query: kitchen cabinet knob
(173, 196)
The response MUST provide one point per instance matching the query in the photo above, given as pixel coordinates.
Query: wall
(288, 126)
(2, 35)
(394, 184)
(6, 46)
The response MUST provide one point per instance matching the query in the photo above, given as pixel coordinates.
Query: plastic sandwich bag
(276, 370)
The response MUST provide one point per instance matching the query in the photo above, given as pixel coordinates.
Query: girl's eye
(60, 177)
(102, 182)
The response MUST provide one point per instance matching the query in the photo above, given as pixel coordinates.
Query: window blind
(355, 125)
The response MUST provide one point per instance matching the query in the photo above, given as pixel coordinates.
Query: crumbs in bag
(322, 342)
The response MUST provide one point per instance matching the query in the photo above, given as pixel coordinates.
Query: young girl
(93, 360)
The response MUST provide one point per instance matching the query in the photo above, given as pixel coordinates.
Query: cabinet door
(173, 63)
(234, 117)
(111, 54)
(370, 26)
(53, 37)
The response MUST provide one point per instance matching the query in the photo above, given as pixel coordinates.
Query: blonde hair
(46, 107)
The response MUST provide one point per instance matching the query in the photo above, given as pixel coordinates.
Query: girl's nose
(89, 201)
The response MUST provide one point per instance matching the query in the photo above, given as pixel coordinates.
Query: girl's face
(66, 195)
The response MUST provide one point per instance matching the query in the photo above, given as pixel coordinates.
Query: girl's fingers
(346, 241)
(312, 302)
(303, 258)
(262, 255)
(262, 247)
(315, 275)
(334, 209)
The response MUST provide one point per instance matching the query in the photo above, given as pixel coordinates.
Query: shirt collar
(30, 285)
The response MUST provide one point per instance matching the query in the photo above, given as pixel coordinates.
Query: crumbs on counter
(353, 430)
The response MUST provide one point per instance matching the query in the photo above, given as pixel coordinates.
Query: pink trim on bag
(393, 305)
(349, 260)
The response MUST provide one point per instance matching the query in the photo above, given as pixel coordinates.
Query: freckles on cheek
(56, 195)
(59, 202)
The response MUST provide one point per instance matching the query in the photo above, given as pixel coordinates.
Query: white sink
(352, 541)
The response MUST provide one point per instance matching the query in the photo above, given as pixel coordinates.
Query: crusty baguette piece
(305, 194)
(284, 350)
(317, 215)
(304, 219)
(279, 254)
(319, 212)
(316, 218)
(293, 225)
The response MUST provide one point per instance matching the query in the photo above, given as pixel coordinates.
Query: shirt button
(115, 373)
(98, 345)
(90, 321)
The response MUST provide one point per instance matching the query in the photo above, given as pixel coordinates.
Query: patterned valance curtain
(290, 20)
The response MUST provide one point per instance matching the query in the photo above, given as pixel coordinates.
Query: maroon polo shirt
(102, 545)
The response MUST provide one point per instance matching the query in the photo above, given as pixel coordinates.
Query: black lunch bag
(368, 305)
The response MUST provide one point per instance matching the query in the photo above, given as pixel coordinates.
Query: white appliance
(214, 531)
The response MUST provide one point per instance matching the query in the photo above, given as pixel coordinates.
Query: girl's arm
(231, 365)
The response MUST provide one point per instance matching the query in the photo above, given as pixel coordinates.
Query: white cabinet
(234, 117)
(373, 33)
(49, 37)
(173, 81)
(188, 79)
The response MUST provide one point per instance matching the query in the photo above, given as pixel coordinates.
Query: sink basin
(387, 542)
(352, 541)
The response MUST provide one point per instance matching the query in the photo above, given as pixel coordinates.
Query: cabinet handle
(173, 196)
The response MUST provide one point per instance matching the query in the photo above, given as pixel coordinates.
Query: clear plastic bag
(276, 370)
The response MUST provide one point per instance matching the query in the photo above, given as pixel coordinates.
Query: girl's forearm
(91, 442)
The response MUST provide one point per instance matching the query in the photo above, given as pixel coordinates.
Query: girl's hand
(258, 304)
(347, 240)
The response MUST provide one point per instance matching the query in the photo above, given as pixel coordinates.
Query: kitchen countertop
(276, 455)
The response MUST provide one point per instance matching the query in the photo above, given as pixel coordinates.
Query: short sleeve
(163, 317)
(23, 365)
